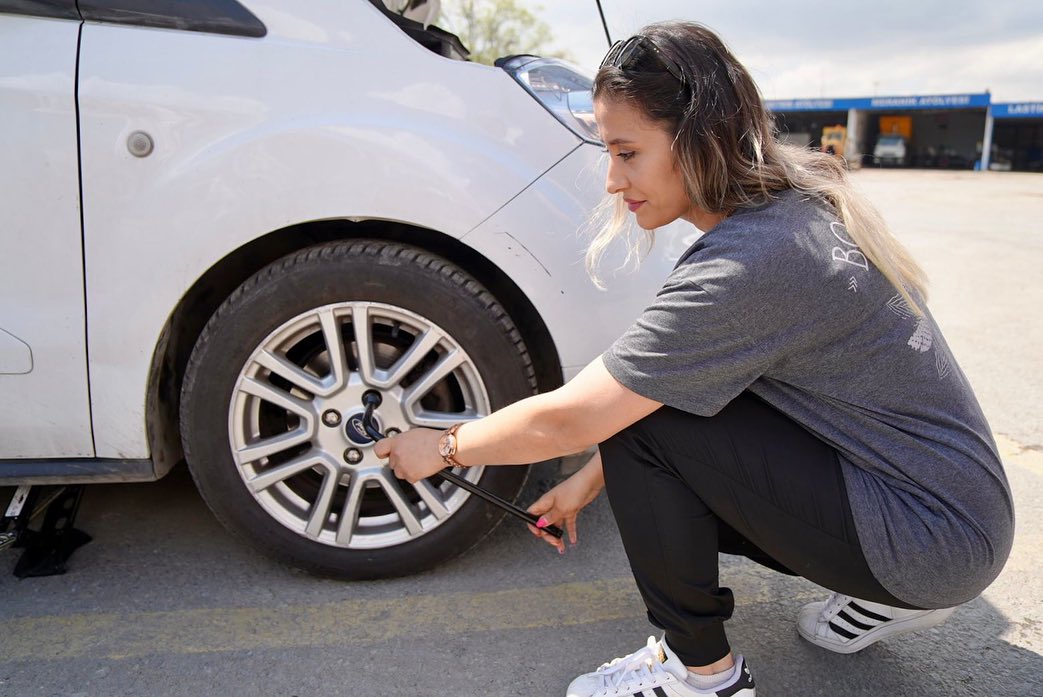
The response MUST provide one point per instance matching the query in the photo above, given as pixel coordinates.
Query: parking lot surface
(165, 602)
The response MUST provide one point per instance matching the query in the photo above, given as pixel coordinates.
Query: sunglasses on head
(624, 54)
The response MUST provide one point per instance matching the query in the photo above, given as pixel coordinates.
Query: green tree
(494, 28)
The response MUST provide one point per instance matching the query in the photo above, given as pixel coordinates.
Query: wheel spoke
(407, 361)
(273, 445)
(277, 397)
(289, 469)
(363, 342)
(450, 362)
(432, 496)
(292, 372)
(320, 510)
(405, 510)
(349, 515)
(440, 419)
(335, 349)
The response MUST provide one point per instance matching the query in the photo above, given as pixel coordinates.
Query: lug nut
(353, 456)
(331, 417)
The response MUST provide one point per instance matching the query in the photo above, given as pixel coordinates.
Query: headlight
(561, 87)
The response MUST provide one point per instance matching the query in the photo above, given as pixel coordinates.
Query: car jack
(48, 549)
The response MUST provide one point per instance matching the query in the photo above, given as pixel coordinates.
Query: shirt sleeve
(703, 341)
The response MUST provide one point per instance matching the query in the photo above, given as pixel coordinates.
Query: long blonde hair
(727, 148)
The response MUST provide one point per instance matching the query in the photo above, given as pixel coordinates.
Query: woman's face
(642, 167)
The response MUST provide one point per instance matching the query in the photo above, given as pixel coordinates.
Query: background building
(952, 131)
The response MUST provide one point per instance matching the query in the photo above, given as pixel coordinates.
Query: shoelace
(624, 680)
(834, 604)
(637, 667)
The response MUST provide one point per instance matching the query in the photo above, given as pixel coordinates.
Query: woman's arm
(585, 411)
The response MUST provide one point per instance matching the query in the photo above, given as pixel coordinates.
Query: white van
(223, 222)
(890, 150)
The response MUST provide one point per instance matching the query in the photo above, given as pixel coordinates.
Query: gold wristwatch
(447, 445)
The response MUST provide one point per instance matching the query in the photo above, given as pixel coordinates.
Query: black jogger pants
(747, 481)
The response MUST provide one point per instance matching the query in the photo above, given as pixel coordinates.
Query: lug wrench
(372, 400)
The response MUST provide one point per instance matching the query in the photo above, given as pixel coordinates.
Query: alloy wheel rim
(296, 459)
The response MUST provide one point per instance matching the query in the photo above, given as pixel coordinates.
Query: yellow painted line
(1013, 452)
(348, 622)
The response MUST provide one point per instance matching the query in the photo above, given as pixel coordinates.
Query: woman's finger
(553, 542)
(537, 530)
(542, 504)
(546, 520)
(570, 526)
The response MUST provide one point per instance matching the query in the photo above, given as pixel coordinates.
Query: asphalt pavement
(165, 602)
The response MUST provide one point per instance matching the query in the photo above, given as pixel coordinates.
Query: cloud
(798, 48)
(1012, 70)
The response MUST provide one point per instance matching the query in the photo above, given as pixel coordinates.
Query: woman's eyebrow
(619, 141)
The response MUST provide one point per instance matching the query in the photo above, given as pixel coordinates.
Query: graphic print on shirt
(900, 307)
(922, 339)
(942, 364)
(849, 253)
(923, 336)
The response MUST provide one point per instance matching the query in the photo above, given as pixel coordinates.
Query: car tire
(262, 392)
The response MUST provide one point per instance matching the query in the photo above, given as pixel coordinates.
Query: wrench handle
(447, 474)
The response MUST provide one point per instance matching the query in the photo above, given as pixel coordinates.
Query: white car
(223, 222)
(889, 150)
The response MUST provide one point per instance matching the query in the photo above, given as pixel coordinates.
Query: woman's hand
(564, 501)
(412, 455)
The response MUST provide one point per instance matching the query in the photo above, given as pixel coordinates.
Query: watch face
(445, 445)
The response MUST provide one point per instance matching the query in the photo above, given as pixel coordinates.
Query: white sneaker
(846, 625)
(656, 671)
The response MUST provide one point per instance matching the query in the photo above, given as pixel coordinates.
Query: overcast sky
(797, 48)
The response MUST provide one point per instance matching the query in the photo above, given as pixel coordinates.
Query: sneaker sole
(891, 628)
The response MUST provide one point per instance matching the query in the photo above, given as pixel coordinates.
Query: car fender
(543, 233)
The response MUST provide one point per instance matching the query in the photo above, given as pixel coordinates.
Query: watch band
(448, 444)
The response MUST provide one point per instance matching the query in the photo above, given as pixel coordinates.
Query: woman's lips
(634, 205)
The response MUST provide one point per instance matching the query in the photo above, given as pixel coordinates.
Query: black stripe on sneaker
(742, 681)
(853, 622)
(841, 631)
(745, 683)
(659, 692)
(867, 613)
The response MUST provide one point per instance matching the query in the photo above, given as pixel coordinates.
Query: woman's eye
(626, 155)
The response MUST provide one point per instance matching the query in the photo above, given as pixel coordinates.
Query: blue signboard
(928, 101)
(812, 104)
(1018, 110)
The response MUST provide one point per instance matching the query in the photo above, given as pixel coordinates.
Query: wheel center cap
(356, 432)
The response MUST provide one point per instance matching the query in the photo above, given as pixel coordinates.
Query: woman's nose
(615, 182)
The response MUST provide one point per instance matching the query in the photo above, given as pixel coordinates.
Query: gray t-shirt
(779, 301)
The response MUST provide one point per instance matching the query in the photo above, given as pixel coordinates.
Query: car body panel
(253, 135)
(44, 407)
(541, 225)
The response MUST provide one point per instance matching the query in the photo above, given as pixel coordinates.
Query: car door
(44, 403)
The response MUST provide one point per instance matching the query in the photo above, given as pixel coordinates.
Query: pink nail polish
(542, 523)
(560, 550)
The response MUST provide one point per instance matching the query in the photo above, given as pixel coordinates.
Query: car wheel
(272, 398)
